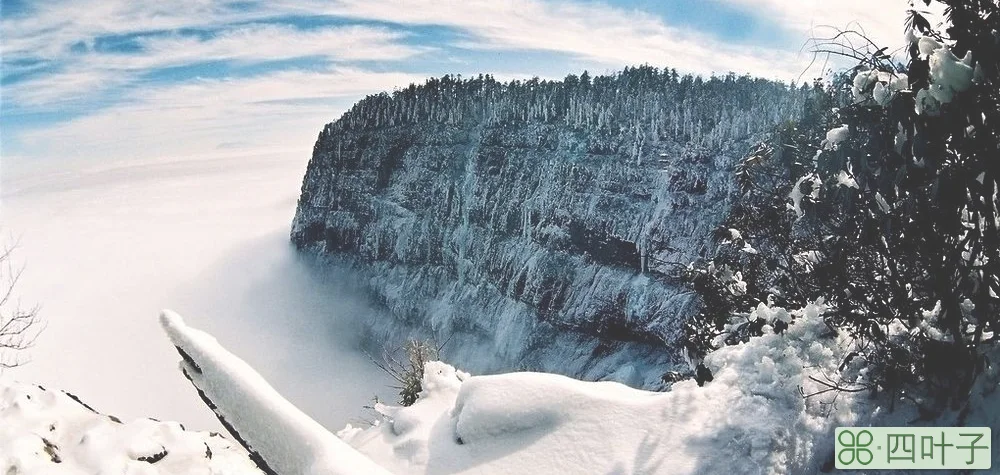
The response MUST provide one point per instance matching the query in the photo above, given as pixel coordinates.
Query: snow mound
(50, 432)
(752, 413)
(281, 438)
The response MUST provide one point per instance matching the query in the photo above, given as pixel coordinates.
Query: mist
(105, 249)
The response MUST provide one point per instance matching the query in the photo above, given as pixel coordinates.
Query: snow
(765, 411)
(845, 179)
(750, 419)
(928, 45)
(926, 103)
(835, 136)
(949, 75)
(797, 195)
(43, 431)
(882, 203)
(862, 81)
(808, 259)
(878, 86)
(288, 440)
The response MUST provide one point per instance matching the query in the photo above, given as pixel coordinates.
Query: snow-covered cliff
(536, 224)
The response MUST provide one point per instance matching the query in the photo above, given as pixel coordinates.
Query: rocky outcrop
(536, 224)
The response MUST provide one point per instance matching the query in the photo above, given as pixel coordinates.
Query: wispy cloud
(598, 32)
(279, 112)
(196, 77)
(92, 72)
(881, 20)
(48, 29)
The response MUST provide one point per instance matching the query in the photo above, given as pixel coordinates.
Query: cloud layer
(125, 78)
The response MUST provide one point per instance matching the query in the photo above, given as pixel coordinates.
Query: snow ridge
(281, 438)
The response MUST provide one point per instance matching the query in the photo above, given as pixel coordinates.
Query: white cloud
(285, 109)
(85, 75)
(63, 88)
(278, 112)
(50, 28)
(271, 42)
(880, 20)
(609, 35)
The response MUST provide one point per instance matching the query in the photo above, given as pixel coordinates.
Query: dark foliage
(909, 258)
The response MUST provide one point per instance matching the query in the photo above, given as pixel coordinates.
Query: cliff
(536, 224)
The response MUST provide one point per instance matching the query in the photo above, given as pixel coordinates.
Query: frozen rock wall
(536, 225)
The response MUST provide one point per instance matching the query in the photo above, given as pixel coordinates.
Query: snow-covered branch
(280, 438)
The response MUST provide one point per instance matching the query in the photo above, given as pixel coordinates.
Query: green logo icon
(913, 448)
(855, 447)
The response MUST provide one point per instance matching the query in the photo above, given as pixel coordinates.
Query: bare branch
(19, 328)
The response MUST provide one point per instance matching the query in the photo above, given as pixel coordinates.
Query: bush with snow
(894, 184)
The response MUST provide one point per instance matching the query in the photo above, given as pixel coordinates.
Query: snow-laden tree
(892, 214)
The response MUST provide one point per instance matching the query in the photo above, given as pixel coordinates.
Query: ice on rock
(518, 253)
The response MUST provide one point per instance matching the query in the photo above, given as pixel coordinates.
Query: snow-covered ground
(44, 431)
(750, 419)
(106, 248)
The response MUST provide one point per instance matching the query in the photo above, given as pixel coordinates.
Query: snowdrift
(48, 432)
(751, 419)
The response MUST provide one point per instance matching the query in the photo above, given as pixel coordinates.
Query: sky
(119, 80)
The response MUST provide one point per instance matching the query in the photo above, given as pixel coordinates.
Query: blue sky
(113, 80)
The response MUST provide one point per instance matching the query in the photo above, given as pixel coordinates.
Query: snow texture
(750, 419)
(48, 432)
(845, 179)
(949, 75)
(835, 136)
(281, 438)
(796, 195)
(878, 87)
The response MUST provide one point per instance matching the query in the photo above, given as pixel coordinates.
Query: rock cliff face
(536, 224)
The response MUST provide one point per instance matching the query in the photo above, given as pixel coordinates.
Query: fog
(104, 250)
